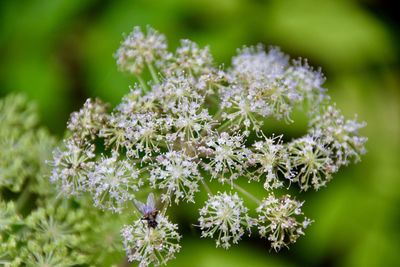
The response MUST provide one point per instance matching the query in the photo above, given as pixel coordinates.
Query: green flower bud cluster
(37, 228)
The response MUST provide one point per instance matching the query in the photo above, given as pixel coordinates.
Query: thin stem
(224, 125)
(153, 73)
(206, 187)
(245, 192)
(165, 206)
(143, 84)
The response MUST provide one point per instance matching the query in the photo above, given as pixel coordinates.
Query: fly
(148, 210)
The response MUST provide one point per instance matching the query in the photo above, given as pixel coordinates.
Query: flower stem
(245, 192)
(206, 187)
(153, 73)
(165, 206)
(224, 125)
(142, 84)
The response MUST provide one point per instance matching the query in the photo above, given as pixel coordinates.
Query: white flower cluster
(263, 84)
(112, 182)
(340, 135)
(139, 49)
(225, 217)
(311, 161)
(177, 174)
(151, 245)
(279, 218)
(71, 166)
(272, 160)
(194, 124)
(87, 122)
(190, 58)
(227, 154)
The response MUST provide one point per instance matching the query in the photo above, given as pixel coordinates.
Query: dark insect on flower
(148, 210)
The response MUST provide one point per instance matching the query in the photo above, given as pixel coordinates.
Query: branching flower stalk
(194, 122)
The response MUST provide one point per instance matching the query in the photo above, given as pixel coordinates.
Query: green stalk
(246, 193)
(206, 187)
(153, 73)
(142, 84)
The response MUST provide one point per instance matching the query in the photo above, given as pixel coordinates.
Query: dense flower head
(311, 162)
(265, 84)
(34, 254)
(177, 174)
(87, 122)
(272, 161)
(307, 81)
(225, 217)
(113, 132)
(113, 182)
(139, 49)
(340, 135)
(175, 89)
(145, 134)
(192, 124)
(190, 120)
(254, 64)
(57, 234)
(56, 225)
(151, 245)
(71, 167)
(190, 58)
(281, 220)
(227, 155)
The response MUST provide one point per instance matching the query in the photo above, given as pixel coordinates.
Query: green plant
(37, 227)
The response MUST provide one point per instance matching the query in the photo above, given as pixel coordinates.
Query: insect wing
(140, 206)
(151, 203)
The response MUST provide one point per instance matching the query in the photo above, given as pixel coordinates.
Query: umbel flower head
(279, 220)
(177, 174)
(151, 245)
(225, 217)
(139, 49)
(194, 124)
(112, 182)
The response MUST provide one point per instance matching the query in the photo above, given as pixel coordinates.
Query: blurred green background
(59, 52)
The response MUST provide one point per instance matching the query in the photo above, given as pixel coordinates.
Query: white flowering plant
(187, 124)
